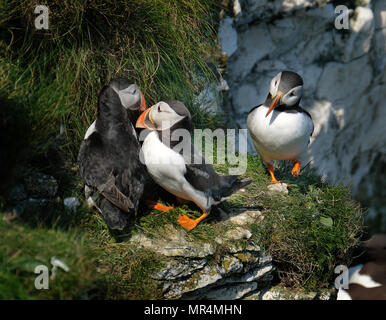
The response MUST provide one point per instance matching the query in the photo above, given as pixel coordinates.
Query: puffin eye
(159, 108)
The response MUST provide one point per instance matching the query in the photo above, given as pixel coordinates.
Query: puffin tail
(231, 185)
(238, 184)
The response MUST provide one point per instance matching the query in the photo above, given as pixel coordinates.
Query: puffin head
(129, 94)
(286, 89)
(165, 115)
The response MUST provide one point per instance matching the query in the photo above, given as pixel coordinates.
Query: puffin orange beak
(143, 106)
(145, 121)
(273, 104)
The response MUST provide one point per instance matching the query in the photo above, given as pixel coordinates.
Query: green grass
(55, 75)
(100, 267)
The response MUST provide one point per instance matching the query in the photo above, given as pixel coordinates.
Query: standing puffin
(175, 171)
(280, 128)
(109, 154)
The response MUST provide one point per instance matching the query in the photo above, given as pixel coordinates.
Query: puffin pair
(108, 156)
(183, 172)
(280, 128)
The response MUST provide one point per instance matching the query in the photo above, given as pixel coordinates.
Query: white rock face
(253, 44)
(228, 36)
(358, 42)
(344, 84)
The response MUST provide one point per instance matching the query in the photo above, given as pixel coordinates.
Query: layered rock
(344, 82)
(220, 269)
(280, 293)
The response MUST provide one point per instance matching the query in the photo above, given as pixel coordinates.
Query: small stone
(278, 187)
(71, 203)
(238, 233)
(245, 218)
(219, 240)
(236, 8)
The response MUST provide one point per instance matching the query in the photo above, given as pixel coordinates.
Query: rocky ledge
(226, 268)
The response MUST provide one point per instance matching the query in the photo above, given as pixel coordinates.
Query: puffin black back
(109, 160)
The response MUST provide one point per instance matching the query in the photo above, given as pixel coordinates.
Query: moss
(244, 257)
(227, 262)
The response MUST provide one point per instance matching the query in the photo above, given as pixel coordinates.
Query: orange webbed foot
(296, 169)
(271, 172)
(186, 222)
(190, 224)
(158, 206)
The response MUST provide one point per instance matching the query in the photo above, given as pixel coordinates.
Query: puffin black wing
(204, 178)
(112, 181)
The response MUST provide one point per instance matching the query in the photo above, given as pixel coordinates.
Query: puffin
(280, 128)
(109, 155)
(367, 280)
(182, 171)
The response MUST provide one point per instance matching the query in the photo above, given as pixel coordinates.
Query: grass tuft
(56, 74)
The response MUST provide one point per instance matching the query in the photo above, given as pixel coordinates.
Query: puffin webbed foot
(190, 224)
(296, 169)
(158, 206)
(271, 172)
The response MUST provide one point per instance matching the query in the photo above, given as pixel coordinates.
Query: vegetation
(309, 231)
(55, 75)
(99, 266)
(52, 77)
